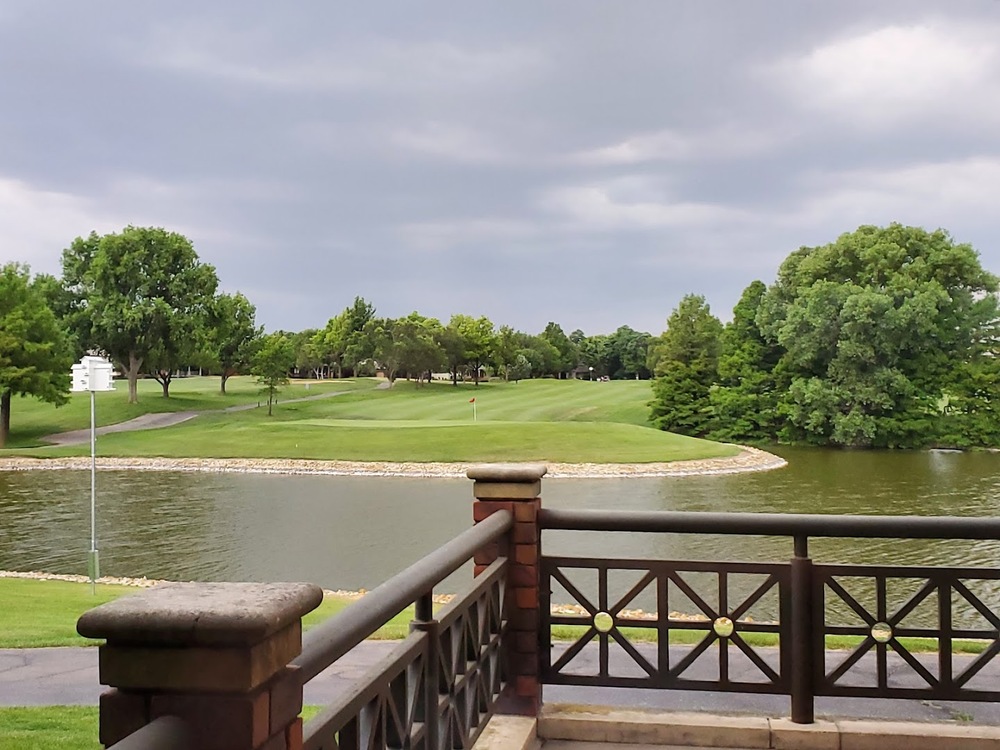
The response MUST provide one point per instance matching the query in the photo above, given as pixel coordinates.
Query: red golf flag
(472, 400)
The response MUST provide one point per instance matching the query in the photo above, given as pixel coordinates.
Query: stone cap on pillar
(507, 481)
(201, 614)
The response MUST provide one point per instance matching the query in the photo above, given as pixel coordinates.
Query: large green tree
(343, 336)
(307, 345)
(232, 334)
(143, 297)
(685, 362)
(542, 356)
(36, 353)
(505, 351)
(629, 351)
(569, 354)
(478, 337)
(876, 328)
(452, 343)
(407, 345)
(595, 353)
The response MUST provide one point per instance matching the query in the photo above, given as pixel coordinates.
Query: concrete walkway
(68, 676)
(168, 419)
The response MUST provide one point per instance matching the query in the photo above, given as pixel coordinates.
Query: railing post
(517, 488)
(430, 689)
(802, 635)
(213, 654)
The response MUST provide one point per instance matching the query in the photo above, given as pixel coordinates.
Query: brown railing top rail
(164, 733)
(327, 642)
(774, 524)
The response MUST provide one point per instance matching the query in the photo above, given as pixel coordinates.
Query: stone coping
(564, 727)
(747, 460)
(201, 614)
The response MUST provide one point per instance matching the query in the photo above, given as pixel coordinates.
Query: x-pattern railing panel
(456, 657)
(383, 712)
(723, 624)
(882, 624)
(469, 660)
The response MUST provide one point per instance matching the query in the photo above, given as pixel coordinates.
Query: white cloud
(446, 234)
(631, 203)
(448, 141)
(890, 75)
(36, 224)
(258, 59)
(722, 142)
(948, 194)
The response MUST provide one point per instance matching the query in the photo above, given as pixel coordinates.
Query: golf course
(567, 421)
(360, 420)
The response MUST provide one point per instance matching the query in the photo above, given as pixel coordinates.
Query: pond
(354, 532)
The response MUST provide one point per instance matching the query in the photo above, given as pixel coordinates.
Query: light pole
(92, 374)
(591, 373)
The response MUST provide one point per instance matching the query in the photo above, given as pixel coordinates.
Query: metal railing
(438, 687)
(799, 664)
(164, 733)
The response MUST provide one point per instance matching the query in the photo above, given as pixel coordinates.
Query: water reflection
(353, 532)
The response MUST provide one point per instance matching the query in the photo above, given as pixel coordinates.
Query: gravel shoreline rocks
(748, 459)
(145, 583)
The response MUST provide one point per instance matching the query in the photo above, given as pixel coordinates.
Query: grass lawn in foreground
(37, 613)
(535, 420)
(62, 727)
(49, 727)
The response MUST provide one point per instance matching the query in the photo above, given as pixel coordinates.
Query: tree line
(416, 346)
(143, 298)
(885, 338)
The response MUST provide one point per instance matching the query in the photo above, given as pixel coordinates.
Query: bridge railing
(438, 687)
(794, 659)
(224, 665)
(217, 665)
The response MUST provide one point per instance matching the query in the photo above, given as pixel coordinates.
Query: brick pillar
(517, 488)
(213, 654)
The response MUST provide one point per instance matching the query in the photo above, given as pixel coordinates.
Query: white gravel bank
(748, 459)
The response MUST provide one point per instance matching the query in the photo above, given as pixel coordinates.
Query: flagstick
(474, 417)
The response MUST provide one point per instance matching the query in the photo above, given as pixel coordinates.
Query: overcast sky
(582, 162)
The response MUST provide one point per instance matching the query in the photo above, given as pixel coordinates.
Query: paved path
(169, 419)
(68, 676)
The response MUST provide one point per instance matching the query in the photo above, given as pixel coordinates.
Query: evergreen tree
(746, 398)
(686, 366)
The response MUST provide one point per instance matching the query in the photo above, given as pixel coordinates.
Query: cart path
(169, 419)
(70, 676)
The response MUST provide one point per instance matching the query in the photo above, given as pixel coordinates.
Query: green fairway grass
(32, 419)
(536, 420)
(422, 441)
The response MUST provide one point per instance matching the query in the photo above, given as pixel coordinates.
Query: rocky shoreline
(748, 459)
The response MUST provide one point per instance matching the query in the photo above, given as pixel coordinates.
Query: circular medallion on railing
(882, 632)
(723, 627)
(603, 622)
